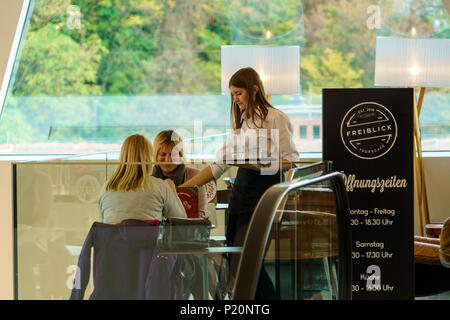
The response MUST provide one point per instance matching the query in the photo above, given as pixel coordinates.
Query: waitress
(250, 110)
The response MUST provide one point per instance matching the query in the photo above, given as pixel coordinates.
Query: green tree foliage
(158, 46)
(267, 22)
(53, 63)
(332, 69)
(187, 55)
(429, 18)
(341, 25)
(172, 47)
(15, 119)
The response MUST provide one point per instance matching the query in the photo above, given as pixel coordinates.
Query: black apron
(248, 188)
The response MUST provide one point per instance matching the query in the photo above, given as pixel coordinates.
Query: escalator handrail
(261, 222)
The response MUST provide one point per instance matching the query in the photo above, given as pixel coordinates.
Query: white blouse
(273, 139)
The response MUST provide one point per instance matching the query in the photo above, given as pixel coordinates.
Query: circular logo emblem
(87, 188)
(368, 130)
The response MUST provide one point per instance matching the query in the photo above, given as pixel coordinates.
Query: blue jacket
(127, 264)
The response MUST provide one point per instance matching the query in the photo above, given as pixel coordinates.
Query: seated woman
(132, 193)
(169, 148)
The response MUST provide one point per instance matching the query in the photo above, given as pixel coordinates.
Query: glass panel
(56, 205)
(91, 73)
(301, 260)
(88, 74)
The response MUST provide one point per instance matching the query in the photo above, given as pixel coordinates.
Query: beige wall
(9, 16)
(6, 233)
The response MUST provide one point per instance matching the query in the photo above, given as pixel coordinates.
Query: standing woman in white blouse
(250, 110)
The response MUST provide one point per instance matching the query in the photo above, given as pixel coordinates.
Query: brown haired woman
(250, 110)
(169, 148)
(132, 193)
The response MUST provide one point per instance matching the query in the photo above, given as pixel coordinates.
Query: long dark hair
(258, 104)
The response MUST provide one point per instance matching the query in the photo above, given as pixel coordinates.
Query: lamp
(416, 63)
(278, 66)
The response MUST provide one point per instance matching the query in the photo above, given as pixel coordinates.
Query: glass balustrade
(56, 203)
(302, 249)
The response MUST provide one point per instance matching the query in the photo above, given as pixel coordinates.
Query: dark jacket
(127, 264)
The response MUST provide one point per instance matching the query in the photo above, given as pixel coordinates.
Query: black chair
(126, 264)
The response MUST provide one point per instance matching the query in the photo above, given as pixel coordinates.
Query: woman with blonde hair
(169, 148)
(132, 193)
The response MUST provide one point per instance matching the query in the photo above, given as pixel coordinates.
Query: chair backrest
(126, 263)
(314, 215)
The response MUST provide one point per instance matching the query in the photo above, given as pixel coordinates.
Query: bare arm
(286, 165)
(200, 178)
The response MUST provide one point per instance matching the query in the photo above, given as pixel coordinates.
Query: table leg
(205, 277)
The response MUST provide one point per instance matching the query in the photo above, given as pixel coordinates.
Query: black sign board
(368, 135)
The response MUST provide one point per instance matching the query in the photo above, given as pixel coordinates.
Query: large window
(303, 131)
(316, 132)
(89, 73)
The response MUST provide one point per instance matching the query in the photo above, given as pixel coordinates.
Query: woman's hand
(186, 184)
(171, 185)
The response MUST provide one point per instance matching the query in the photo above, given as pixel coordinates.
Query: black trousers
(248, 188)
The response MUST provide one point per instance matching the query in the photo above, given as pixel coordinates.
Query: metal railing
(257, 237)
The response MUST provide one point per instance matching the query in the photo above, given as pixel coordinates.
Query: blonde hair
(258, 105)
(168, 138)
(135, 165)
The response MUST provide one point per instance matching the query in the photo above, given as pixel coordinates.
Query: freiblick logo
(368, 130)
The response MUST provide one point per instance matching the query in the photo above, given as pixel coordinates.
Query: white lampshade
(412, 62)
(278, 67)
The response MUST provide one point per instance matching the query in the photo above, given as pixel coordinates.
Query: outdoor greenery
(171, 49)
